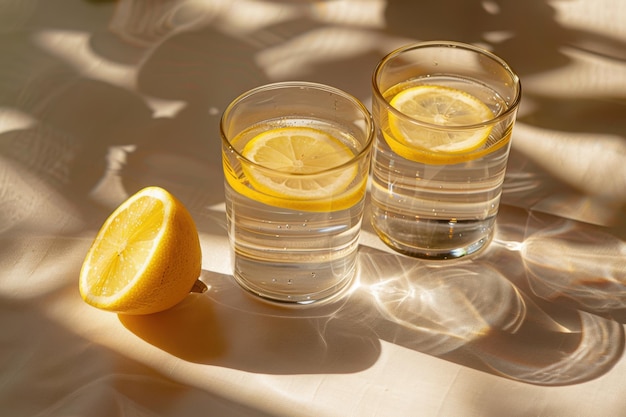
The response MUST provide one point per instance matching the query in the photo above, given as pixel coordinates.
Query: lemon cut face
(145, 258)
(445, 108)
(294, 167)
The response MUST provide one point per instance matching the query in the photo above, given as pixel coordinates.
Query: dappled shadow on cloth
(52, 371)
(542, 305)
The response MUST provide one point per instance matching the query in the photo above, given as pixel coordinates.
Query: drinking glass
(296, 159)
(444, 112)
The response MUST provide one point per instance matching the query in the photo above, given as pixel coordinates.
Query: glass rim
(511, 108)
(370, 129)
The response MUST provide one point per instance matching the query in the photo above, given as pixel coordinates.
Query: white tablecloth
(101, 98)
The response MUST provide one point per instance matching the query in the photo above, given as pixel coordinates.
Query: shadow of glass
(472, 314)
(483, 312)
(226, 326)
(576, 264)
(581, 350)
(435, 309)
(479, 313)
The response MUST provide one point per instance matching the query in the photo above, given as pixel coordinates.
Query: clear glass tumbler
(296, 159)
(444, 112)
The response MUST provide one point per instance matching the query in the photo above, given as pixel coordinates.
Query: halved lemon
(145, 258)
(300, 168)
(443, 109)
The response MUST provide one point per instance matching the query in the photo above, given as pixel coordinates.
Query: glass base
(294, 284)
(426, 243)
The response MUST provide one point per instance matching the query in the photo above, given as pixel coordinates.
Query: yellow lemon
(443, 109)
(299, 168)
(145, 258)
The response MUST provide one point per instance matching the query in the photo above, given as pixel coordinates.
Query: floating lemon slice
(145, 258)
(294, 168)
(443, 108)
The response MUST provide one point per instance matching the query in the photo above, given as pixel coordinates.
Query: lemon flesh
(300, 168)
(443, 111)
(145, 258)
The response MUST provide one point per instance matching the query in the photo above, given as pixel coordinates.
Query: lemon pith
(299, 168)
(449, 125)
(145, 258)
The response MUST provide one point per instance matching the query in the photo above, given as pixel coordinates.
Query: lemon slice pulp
(444, 109)
(145, 258)
(300, 167)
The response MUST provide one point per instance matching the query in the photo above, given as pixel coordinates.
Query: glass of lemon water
(296, 158)
(444, 112)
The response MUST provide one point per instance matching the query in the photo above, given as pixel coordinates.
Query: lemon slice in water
(294, 167)
(443, 108)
